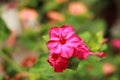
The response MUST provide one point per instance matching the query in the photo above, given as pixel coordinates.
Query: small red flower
(29, 61)
(59, 63)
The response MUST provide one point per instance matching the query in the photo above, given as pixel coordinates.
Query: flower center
(62, 41)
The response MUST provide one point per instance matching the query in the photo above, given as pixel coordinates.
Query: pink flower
(59, 63)
(116, 43)
(66, 43)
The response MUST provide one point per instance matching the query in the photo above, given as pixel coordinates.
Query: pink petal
(82, 52)
(67, 51)
(74, 40)
(56, 49)
(80, 55)
(61, 64)
(54, 33)
(60, 67)
(57, 62)
(50, 61)
(77, 42)
(67, 31)
(52, 44)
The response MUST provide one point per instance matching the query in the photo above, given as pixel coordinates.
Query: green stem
(11, 62)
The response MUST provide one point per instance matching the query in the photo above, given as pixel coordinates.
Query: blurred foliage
(87, 26)
(4, 31)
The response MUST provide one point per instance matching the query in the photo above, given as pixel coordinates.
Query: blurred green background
(24, 29)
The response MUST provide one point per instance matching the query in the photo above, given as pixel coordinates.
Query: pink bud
(101, 54)
(98, 54)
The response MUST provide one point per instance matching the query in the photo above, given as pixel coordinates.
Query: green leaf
(104, 47)
(86, 36)
(0, 11)
(50, 5)
(93, 59)
(96, 41)
(46, 37)
(73, 63)
(34, 76)
(1, 78)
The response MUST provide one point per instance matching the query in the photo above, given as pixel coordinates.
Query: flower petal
(67, 51)
(82, 52)
(74, 40)
(54, 33)
(67, 31)
(52, 44)
(57, 62)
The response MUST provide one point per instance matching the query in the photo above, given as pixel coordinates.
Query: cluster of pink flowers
(63, 45)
